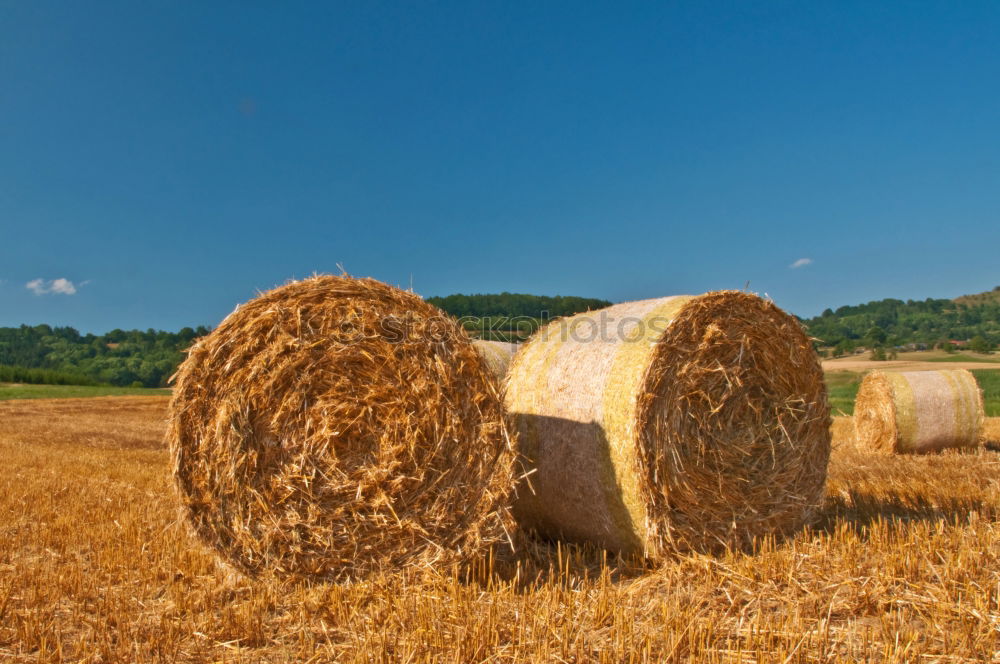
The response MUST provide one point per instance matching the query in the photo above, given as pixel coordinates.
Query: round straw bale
(899, 412)
(335, 427)
(497, 355)
(674, 424)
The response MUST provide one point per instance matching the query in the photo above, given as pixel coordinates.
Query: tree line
(892, 323)
(511, 316)
(62, 355)
(123, 358)
(514, 305)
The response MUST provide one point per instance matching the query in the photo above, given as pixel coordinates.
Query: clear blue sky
(168, 159)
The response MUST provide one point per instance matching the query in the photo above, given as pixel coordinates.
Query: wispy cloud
(802, 262)
(36, 286)
(52, 286)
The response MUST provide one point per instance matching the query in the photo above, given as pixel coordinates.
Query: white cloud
(64, 286)
(43, 287)
(802, 262)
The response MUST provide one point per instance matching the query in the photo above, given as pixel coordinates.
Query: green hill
(989, 297)
(892, 322)
(61, 355)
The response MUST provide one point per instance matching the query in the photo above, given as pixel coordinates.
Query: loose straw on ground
(335, 427)
(918, 411)
(681, 423)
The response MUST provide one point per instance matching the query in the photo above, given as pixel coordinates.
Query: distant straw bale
(918, 411)
(497, 355)
(681, 423)
(335, 427)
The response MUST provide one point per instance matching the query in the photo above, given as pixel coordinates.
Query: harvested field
(114, 423)
(95, 565)
(915, 361)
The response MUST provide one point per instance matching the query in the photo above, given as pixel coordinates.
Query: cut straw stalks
(675, 424)
(916, 412)
(337, 427)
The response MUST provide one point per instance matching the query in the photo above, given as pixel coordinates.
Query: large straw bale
(335, 427)
(898, 412)
(673, 424)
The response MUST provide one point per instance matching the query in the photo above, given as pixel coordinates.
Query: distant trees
(507, 316)
(119, 357)
(913, 321)
(844, 347)
(515, 305)
(980, 344)
(150, 357)
(875, 336)
(42, 377)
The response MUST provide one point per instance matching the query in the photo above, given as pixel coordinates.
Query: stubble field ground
(902, 565)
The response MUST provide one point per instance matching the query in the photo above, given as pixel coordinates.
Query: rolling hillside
(893, 322)
(989, 297)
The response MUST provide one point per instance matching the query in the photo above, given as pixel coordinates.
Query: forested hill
(515, 305)
(895, 322)
(120, 358)
(989, 297)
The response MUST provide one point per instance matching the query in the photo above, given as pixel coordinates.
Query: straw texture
(497, 355)
(674, 424)
(918, 411)
(335, 427)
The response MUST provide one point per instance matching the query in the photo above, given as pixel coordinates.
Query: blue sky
(166, 160)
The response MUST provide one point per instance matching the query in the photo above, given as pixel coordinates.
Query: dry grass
(95, 565)
(921, 360)
(991, 432)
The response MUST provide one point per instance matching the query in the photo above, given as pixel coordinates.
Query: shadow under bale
(861, 509)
